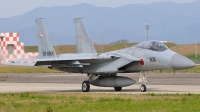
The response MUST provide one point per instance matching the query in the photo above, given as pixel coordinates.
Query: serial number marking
(48, 53)
(152, 59)
(85, 63)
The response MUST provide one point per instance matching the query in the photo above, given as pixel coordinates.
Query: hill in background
(61, 49)
(176, 22)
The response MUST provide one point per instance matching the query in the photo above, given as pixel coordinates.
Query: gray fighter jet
(102, 68)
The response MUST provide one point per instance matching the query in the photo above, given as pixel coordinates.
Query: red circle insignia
(41, 34)
(142, 62)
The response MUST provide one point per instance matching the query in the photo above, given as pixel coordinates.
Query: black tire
(118, 88)
(143, 88)
(85, 86)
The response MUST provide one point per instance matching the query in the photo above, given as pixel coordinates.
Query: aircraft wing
(126, 59)
(68, 59)
(128, 56)
(75, 59)
(42, 62)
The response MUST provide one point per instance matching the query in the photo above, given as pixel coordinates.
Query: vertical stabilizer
(45, 48)
(83, 42)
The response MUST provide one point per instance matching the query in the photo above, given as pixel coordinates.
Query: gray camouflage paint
(88, 61)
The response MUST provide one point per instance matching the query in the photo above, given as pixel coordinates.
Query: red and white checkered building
(11, 48)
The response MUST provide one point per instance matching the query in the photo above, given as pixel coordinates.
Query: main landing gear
(118, 88)
(101, 82)
(143, 79)
(85, 86)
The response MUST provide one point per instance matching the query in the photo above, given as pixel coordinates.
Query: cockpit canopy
(152, 45)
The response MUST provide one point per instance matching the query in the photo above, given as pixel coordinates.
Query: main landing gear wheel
(118, 88)
(85, 86)
(143, 88)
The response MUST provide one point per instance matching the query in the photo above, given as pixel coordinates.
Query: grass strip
(58, 102)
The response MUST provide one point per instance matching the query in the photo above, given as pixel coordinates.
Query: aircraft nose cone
(179, 62)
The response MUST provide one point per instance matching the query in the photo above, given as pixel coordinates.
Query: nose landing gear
(143, 88)
(143, 79)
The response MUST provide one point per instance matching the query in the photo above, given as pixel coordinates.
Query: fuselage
(150, 59)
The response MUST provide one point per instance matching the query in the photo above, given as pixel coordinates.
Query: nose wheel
(85, 86)
(143, 79)
(143, 88)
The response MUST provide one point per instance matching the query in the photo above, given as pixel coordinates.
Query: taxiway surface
(69, 83)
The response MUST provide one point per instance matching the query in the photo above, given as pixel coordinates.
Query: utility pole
(101, 42)
(147, 27)
(196, 48)
(57, 43)
(163, 32)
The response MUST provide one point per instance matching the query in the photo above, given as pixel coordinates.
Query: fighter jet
(102, 68)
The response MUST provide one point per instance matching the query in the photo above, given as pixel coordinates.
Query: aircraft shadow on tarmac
(113, 91)
(96, 90)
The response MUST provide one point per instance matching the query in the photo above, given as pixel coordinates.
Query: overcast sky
(11, 8)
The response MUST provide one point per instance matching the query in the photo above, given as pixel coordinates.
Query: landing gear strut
(143, 79)
(86, 84)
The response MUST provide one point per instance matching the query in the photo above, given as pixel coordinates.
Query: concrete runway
(69, 83)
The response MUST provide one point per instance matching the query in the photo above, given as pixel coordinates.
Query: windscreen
(152, 45)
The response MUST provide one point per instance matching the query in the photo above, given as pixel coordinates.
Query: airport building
(11, 48)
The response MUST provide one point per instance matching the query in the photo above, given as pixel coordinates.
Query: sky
(11, 8)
